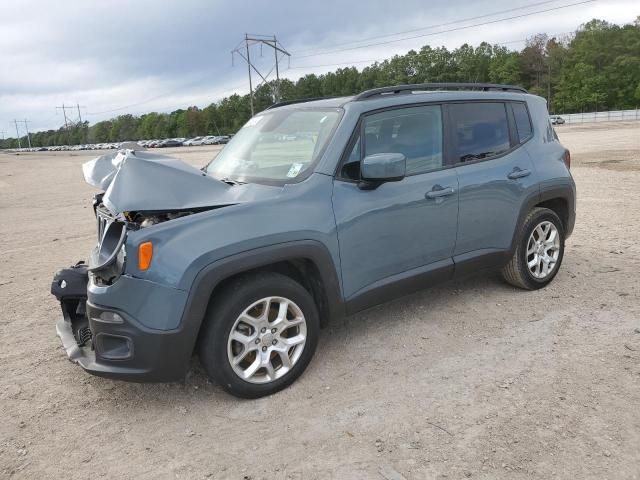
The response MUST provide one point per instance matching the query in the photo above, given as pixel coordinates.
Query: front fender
(214, 273)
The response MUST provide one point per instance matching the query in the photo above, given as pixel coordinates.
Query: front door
(400, 232)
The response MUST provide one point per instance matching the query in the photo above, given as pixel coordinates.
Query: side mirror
(382, 167)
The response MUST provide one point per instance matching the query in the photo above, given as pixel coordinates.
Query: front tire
(539, 251)
(260, 334)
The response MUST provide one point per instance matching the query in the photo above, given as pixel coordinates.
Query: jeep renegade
(314, 210)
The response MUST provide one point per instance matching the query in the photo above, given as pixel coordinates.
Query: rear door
(401, 234)
(496, 177)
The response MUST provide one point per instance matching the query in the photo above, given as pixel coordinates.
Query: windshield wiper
(231, 182)
(227, 180)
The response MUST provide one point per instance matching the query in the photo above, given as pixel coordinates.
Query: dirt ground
(471, 380)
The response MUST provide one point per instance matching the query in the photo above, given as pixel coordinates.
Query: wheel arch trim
(213, 274)
(561, 192)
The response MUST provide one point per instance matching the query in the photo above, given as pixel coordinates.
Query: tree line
(595, 69)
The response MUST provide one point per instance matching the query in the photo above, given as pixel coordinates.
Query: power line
(379, 59)
(255, 38)
(449, 30)
(149, 100)
(375, 37)
(166, 94)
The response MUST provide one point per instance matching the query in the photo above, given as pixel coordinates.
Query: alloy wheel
(267, 340)
(543, 250)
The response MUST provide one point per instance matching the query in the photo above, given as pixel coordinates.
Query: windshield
(277, 145)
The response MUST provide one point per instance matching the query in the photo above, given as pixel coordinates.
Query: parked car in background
(209, 140)
(316, 210)
(222, 140)
(170, 142)
(192, 141)
(557, 120)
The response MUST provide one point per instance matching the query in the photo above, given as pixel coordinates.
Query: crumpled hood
(141, 181)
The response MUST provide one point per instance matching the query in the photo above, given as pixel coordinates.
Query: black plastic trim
(563, 192)
(399, 89)
(527, 205)
(480, 261)
(399, 285)
(212, 275)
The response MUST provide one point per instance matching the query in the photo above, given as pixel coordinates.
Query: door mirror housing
(382, 167)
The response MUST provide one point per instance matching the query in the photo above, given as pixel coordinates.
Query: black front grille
(104, 218)
(83, 336)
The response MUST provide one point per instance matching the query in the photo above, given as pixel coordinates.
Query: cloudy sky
(117, 56)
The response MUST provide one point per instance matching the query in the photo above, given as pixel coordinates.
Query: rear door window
(480, 130)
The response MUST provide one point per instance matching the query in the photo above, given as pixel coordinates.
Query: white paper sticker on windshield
(294, 170)
(253, 121)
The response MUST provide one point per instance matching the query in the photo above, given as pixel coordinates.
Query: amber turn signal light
(145, 254)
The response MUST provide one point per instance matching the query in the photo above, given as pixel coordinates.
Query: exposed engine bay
(141, 189)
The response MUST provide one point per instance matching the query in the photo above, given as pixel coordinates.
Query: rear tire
(539, 251)
(260, 333)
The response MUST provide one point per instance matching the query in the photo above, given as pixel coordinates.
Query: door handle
(518, 173)
(439, 191)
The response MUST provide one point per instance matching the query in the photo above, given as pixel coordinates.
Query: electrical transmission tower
(66, 123)
(244, 51)
(79, 114)
(26, 127)
(17, 133)
(67, 118)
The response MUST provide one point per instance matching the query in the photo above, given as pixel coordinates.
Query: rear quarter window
(523, 122)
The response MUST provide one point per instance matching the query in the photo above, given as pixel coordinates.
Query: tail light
(567, 159)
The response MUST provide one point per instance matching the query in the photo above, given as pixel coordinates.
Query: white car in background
(193, 141)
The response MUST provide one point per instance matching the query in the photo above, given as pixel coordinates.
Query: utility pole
(17, 133)
(243, 51)
(26, 127)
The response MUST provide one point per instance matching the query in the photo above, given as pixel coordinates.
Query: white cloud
(148, 55)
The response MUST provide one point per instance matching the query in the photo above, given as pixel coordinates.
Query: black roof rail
(292, 102)
(396, 89)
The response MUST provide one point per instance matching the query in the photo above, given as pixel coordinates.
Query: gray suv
(316, 209)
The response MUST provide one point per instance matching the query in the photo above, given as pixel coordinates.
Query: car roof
(406, 94)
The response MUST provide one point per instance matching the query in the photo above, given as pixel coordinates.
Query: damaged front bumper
(110, 342)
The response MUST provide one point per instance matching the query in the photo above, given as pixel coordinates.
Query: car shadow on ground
(196, 389)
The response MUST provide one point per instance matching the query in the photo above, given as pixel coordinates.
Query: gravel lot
(474, 379)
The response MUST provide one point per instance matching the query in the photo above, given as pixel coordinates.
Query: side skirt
(400, 285)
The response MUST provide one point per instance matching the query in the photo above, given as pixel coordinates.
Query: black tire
(227, 306)
(516, 272)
